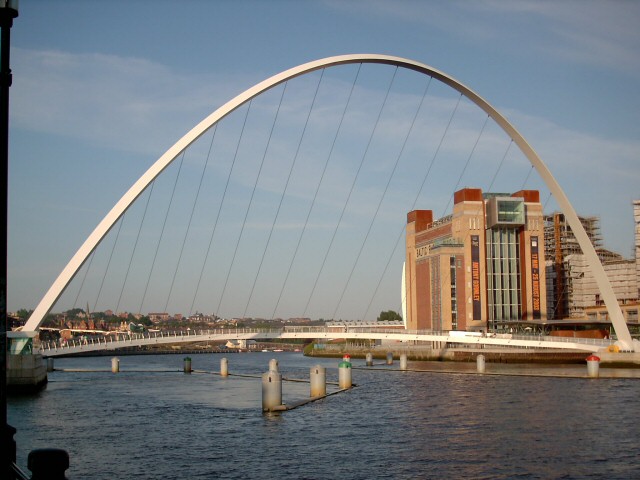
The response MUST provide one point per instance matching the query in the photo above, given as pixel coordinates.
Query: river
(152, 421)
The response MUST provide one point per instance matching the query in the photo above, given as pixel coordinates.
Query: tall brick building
(480, 268)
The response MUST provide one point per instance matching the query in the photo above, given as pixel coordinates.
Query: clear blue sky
(102, 88)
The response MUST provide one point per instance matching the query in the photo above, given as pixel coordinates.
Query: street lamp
(8, 11)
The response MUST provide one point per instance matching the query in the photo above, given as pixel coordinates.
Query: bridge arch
(94, 239)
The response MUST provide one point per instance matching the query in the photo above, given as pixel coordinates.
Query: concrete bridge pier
(26, 373)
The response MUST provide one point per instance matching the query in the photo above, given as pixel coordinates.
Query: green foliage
(308, 349)
(74, 312)
(23, 314)
(389, 316)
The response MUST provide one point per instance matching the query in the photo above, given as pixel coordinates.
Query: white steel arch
(165, 160)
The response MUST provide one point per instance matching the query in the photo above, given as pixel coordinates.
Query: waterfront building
(572, 292)
(636, 220)
(478, 269)
(157, 317)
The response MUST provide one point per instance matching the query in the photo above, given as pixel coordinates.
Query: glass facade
(503, 274)
(505, 212)
(511, 211)
(454, 297)
(436, 311)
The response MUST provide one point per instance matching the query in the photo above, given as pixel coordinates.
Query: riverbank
(492, 355)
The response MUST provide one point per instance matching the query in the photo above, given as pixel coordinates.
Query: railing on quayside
(131, 337)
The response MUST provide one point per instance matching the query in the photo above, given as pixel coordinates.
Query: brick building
(480, 268)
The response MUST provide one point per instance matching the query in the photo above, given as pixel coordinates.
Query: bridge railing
(603, 342)
(121, 339)
(131, 337)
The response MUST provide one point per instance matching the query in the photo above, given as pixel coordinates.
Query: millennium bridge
(135, 275)
(436, 338)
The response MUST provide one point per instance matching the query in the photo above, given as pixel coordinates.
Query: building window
(503, 274)
(436, 297)
(454, 297)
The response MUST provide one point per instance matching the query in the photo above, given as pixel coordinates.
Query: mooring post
(369, 359)
(115, 365)
(593, 366)
(271, 390)
(403, 361)
(187, 364)
(273, 365)
(224, 367)
(344, 374)
(480, 362)
(318, 381)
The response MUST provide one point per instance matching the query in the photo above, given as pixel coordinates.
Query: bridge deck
(84, 345)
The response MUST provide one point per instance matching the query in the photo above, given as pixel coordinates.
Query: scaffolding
(571, 286)
(559, 244)
(636, 220)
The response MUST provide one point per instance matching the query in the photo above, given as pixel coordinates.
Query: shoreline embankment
(492, 355)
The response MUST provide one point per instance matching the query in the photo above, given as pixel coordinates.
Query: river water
(152, 421)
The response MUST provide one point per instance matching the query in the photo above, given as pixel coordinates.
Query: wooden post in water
(224, 367)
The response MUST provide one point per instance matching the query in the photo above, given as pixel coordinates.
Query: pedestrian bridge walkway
(129, 340)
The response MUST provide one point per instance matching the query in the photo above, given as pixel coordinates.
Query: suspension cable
(524, 183)
(84, 277)
(164, 223)
(446, 209)
(135, 246)
(415, 201)
(224, 195)
(355, 179)
(284, 191)
(193, 208)
(384, 193)
(106, 270)
(255, 185)
(495, 175)
(315, 195)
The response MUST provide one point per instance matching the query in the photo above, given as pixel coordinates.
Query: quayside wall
(462, 354)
